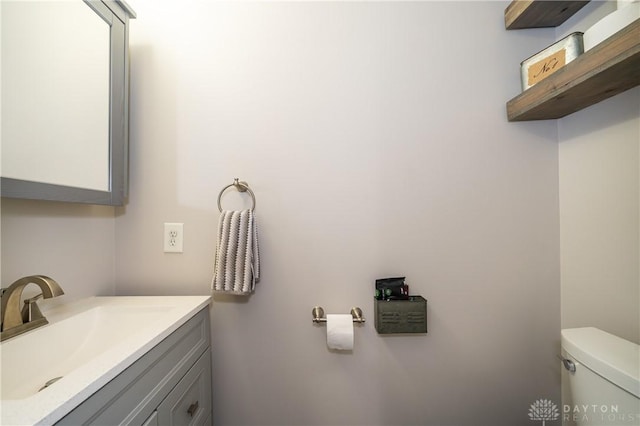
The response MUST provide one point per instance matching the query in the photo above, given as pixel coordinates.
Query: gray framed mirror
(65, 100)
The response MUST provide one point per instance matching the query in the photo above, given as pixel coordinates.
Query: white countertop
(53, 403)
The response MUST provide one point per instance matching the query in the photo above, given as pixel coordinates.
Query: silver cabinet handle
(568, 364)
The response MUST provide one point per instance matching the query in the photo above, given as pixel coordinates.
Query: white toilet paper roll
(340, 331)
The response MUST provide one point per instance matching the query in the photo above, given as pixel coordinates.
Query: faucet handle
(32, 299)
(31, 311)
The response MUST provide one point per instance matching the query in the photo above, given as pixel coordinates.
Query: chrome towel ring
(240, 186)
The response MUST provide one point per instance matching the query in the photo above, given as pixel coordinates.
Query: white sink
(86, 343)
(29, 361)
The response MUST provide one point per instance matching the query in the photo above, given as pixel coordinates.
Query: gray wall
(72, 243)
(374, 136)
(376, 147)
(599, 185)
(599, 188)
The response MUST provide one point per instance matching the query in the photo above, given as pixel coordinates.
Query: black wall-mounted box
(401, 316)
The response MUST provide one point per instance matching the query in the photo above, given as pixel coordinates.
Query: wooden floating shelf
(539, 13)
(607, 69)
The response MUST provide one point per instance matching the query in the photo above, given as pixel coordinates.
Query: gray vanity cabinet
(169, 385)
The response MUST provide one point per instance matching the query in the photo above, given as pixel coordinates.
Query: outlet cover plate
(173, 237)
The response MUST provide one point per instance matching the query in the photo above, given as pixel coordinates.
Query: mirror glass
(55, 93)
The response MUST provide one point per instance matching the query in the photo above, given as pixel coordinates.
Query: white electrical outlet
(173, 237)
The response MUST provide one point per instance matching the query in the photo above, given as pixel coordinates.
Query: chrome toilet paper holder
(318, 315)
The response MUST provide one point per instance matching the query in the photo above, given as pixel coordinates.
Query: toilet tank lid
(610, 356)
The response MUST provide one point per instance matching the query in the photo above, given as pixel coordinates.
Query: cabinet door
(189, 403)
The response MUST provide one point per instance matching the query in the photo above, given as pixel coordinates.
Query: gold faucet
(16, 321)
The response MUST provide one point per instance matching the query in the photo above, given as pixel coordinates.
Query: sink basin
(86, 344)
(56, 350)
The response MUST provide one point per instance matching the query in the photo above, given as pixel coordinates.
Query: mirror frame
(116, 13)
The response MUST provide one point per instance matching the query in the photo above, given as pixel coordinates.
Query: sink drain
(50, 382)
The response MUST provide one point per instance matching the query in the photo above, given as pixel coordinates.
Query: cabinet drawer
(189, 403)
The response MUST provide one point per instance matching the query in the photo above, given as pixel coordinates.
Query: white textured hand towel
(237, 265)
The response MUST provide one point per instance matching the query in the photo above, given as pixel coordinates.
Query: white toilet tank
(604, 390)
